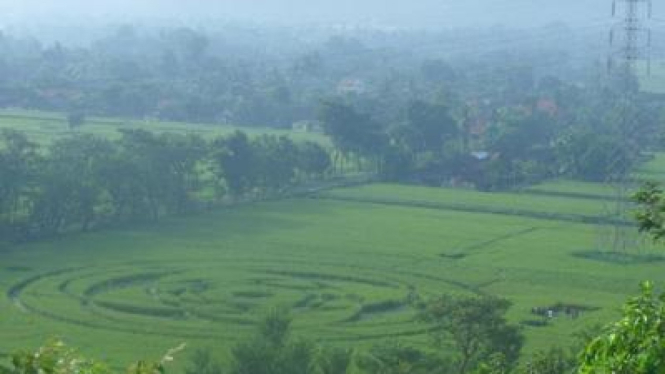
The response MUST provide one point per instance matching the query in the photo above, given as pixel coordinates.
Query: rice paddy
(346, 263)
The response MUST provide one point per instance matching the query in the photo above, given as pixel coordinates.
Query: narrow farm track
(479, 246)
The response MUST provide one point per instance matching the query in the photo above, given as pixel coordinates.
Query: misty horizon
(398, 13)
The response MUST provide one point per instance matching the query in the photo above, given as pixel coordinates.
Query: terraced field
(520, 204)
(346, 262)
(44, 127)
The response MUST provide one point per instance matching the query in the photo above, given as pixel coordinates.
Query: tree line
(263, 76)
(494, 122)
(83, 181)
(584, 134)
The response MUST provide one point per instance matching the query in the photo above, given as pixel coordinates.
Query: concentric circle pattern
(329, 300)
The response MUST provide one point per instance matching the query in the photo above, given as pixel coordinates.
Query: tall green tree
(275, 160)
(70, 188)
(18, 162)
(313, 160)
(234, 163)
(272, 351)
(161, 172)
(478, 329)
(353, 132)
(433, 126)
(397, 358)
(651, 213)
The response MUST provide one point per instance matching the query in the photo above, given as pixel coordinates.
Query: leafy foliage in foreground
(633, 345)
(57, 358)
(651, 215)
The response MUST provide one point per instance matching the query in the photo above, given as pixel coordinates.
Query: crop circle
(225, 298)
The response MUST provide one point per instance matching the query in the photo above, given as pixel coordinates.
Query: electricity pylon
(630, 38)
(630, 43)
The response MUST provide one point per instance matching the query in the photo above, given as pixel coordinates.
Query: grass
(569, 188)
(521, 204)
(344, 268)
(344, 262)
(45, 127)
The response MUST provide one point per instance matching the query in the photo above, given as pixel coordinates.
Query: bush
(56, 358)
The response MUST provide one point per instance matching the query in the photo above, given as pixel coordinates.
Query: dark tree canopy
(478, 329)
(84, 181)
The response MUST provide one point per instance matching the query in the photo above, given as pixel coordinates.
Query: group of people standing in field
(552, 312)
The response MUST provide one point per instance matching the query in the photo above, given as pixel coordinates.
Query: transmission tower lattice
(630, 43)
(630, 39)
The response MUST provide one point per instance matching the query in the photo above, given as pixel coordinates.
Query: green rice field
(346, 262)
(44, 127)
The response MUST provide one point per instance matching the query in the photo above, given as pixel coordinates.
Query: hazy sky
(381, 12)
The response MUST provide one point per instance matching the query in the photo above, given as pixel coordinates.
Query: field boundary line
(574, 195)
(577, 218)
(478, 246)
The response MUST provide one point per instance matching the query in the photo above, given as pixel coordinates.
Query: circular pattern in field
(337, 299)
